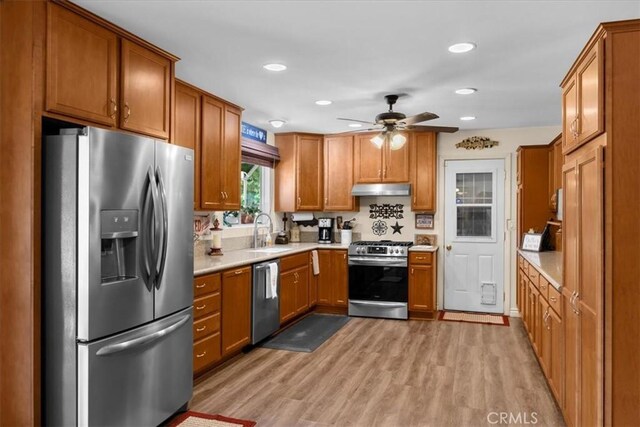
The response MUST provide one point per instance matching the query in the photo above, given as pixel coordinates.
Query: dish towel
(272, 281)
(316, 264)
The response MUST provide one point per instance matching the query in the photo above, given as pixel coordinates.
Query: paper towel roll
(302, 216)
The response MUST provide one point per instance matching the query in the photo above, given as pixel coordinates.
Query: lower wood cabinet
(333, 288)
(206, 321)
(313, 284)
(294, 286)
(236, 309)
(422, 283)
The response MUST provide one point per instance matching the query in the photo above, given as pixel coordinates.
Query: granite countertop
(549, 264)
(423, 248)
(204, 264)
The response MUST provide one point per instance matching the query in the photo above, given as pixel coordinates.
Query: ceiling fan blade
(355, 120)
(422, 117)
(442, 129)
(349, 132)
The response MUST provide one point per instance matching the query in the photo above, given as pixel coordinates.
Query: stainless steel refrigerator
(117, 278)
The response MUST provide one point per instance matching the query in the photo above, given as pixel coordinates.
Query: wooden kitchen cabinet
(555, 367)
(422, 284)
(287, 296)
(220, 155)
(338, 174)
(333, 281)
(373, 165)
(313, 284)
(424, 168)
(186, 129)
(294, 286)
(96, 73)
(236, 309)
(206, 321)
(533, 189)
(298, 176)
(555, 171)
(583, 99)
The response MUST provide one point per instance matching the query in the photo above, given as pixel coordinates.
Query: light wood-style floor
(376, 372)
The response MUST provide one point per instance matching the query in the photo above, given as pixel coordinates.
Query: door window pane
(474, 188)
(474, 221)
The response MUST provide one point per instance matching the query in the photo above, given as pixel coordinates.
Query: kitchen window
(255, 197)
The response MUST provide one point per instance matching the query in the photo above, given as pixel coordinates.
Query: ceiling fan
(391, 122)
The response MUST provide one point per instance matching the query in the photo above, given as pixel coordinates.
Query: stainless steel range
(378, 279)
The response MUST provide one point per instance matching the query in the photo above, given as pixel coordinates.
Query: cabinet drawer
(206, 305)
(543, 286)
(533, 275)
(294, 261)
(521, 262)
(206, 352)
(206, 326)
(421, 257)
(206, 284)
(555, 300)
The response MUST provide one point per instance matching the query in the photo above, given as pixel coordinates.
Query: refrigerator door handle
(147, 225)
(140, 341)
(160, 262)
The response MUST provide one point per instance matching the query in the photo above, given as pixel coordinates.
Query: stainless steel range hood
(381, 190)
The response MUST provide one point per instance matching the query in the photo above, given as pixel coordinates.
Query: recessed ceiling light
(462, 47)
(324, 102)
(274, 67)
(355, 125)
(467, 118)
(466, 91)
(277, 123)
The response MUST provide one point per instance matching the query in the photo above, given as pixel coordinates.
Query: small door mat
(308, 334)
(198, 419)
(486, 319)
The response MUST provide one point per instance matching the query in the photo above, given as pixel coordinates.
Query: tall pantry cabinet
(601, 233)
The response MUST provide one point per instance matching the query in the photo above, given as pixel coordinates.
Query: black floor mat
(308, 334)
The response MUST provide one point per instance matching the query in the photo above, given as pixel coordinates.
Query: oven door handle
(378, 262)
(380, 303)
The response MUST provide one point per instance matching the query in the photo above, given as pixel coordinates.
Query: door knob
(448, 247)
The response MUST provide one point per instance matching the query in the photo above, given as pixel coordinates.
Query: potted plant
(247, 213)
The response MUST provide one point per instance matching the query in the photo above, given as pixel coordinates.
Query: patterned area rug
(198, 419)
(487, 319)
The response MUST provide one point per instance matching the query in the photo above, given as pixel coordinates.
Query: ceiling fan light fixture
(467, 118)
(277, 123)
(466, 91)
(355, 125)
(462, 47)
(397, 141)
(378, 140)
(274, 67)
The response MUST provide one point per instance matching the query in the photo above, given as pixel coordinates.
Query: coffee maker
(325, 228)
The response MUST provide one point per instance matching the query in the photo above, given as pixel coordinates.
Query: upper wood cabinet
(146, 95)
(298, 175)
(373, 164)
(220, 155)
(186, 130)
(533, 190)
(583, 99)
(236, 309)
(90, 79)
(338, 174)
(555, 171)
(424, 169)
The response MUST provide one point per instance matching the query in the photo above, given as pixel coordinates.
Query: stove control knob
(402, 251)
(396, 250)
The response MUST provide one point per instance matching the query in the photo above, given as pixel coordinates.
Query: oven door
(378, 279)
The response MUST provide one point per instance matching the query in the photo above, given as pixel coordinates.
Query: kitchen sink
(270, 250)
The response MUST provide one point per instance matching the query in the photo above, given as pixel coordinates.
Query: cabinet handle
(344, 256)
(238, 272)
(415, 200)
(553, 299)
(384, 174)
(201, 286)
(127, 112)
(201, 354)
(299, 201)
(200, 307)
(326, 200)
(412, 271)
(201, 329)
(114, 108)
(226, 195)
(421, 257)
(379, 173)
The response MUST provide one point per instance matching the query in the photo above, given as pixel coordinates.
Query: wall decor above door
(386, 211)
(476, 143)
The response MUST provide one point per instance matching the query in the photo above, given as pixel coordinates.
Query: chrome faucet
(255, 228)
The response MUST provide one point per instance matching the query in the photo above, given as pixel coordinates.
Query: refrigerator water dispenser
(119, 234)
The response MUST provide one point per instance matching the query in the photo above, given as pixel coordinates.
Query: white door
(474, 235)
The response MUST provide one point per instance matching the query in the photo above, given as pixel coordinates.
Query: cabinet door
(211, 196)
(82, 65)
(309, 173)
(146, 91)
(423, 171)
(313, 285)
(231, 155)
(571, 360)
(338, 174)
(421, 288)
(591, 94)
(236, 309)
(533, 316)
(302, 290)
(340, 294)
(396, 163)
(545, 338)
(287, 296)
(555, 370)
(368, 160)
(325, 284)
(186, 130)
(569, 115)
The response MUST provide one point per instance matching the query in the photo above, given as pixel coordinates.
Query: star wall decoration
(397, 228)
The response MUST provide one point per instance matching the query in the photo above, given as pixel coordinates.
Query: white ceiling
(354, 52)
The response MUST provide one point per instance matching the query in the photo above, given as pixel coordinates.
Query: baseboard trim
(514, 313)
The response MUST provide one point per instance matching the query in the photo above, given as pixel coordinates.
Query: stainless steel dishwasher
(265, 312)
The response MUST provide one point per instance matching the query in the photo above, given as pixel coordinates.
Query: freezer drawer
(138, 377)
